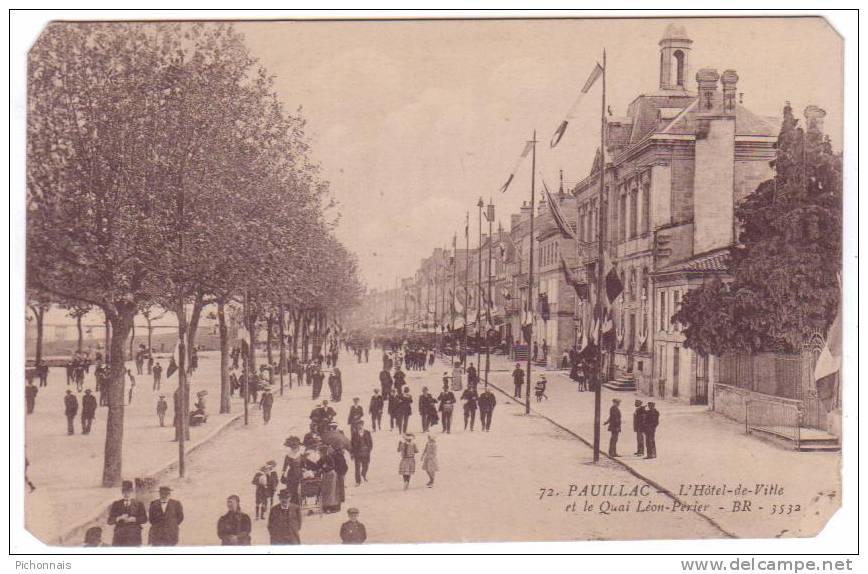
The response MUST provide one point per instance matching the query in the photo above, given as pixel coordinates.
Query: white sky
(413, 121)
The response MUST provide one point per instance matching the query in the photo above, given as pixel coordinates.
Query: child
(260, 481)
(540, 389)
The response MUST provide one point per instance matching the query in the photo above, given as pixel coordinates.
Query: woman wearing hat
(408, 450)
(292, 467)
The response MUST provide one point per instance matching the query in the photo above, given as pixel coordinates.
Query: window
(633, 284)
(622, 219)
(676, 304)
(679, 67)
(634, 204)
(646, 208)
(580, 230)
(662, 310)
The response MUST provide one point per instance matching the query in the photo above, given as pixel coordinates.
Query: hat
(352, 510)
(616, 400)
(638, 402)
(162, 396)
(650, 404)
(284, 494)
(271, 463)
(165, 489)
(126, 485)
(292, 441)
(87, 391)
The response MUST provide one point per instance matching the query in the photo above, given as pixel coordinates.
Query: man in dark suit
(127, 515)
(233, 528)
(652, 419)
(487, 402)
(375, 407)
(614, 424)
(166, 515)
(266, 402)
(70, 409)
(361, 445)
(639, 427)
(88, 411)
(284, 521)
(517, 381)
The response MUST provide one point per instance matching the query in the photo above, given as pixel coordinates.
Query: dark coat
(127, 533)
(446, 398)
(614, 420)
(70, 403)
(652, 419)
(469, 396)
(353, 532)
(235, 524)
(376, 405)
(284, 524)
(361, 445)
(356, 413)
(518, 377)
(164, 525)
(487, 401)
(639, 416)
(88, 407)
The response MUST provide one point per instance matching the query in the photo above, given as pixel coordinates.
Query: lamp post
(480, 205)
(490, 216)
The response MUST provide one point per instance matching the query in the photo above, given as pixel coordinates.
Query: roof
(747, 123)
(711, 261)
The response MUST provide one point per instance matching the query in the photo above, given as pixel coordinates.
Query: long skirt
(329, 496)
(407, 465)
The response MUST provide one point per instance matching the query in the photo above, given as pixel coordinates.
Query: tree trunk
(195, 315)
(251, 328)
(305, 328)
(150, 334)
(225, 393)
(80, 343)
(269, 322)
(39, 315)
(282, 334)
(182, 431)
(114, 439)
(296, 326)
(108, 339)
(132, 337)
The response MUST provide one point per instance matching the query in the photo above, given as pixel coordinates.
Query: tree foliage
(784, 271)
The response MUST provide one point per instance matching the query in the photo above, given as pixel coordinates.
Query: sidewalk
(698, 447)
(67, 470)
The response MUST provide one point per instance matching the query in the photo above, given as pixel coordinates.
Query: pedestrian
(517, 381)
(375, 408)
(447, 403)
(427, 409)
(406, 409)
(127, 515)
(233, 528)
(70, 404)
(472, 376)
(357, 413)
(535, 351)
(487, 402)
(470, 398)
(260, 493)
(614, 424)
(394, 410)
(162, 407)
(353, 531)
(400, 379)
(539, 389)
(166, 515)
(273, 481)
(361, 445)
(284, 521)
(652, 420)
(30, 392)
(565, 360)
(639, 427)
(407, 466)
(336, 382)
(157, 370)
(292, 468)
(42, 372)
(93, 538)
(88, 411)
(266, 401)
(132, 386)
(429, 459)
(456, 377)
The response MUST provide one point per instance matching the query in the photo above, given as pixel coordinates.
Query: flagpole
(599, 306)
(489, 322)
(480, 205)
(530, 274)
(466, 282)
(454, 265)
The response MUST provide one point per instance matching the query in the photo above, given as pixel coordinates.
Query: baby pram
(310, 495)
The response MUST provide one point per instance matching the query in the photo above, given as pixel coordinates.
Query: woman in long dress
(329, 495)
(429, 459)
(407, 449)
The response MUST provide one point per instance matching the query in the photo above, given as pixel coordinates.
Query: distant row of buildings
(676, 165)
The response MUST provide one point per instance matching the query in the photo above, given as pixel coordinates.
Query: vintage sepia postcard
(320, 282)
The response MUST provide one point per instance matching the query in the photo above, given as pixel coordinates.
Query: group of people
(646, 419)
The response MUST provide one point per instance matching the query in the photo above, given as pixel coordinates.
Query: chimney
(729, 79)
(814, 118)
(707, 79)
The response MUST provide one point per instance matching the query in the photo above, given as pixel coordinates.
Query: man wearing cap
(127, 515)
(614, 424)
(361, 445)
(639, 427)
(70, 406)
(88, 411)
(266, 401)
(487, 402)
(284, 521)
(166, 515)
(357, 412)
(385, 382)
(162, 407)
(375, 408)
(353, 531)
(652, 419)
(517, 381)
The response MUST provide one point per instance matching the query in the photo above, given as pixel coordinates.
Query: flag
(581, 289)
(173, 360)
(589, 83)
(527, 147)
(608, 336)
(829, 362)
(557, 214)
(613, 285)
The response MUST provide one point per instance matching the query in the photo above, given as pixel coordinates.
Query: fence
(774, 415)
(779, 375)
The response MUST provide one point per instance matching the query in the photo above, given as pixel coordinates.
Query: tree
(783, 285)
(77, 311)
